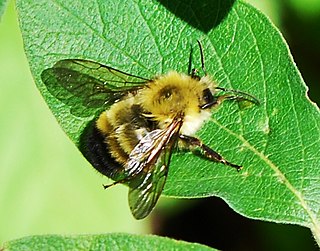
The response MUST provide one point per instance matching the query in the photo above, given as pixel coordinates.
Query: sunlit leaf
(121, 242)
(277, 142)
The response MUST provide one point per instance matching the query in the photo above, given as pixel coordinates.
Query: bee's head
(175, 93)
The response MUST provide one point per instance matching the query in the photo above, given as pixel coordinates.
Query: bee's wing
(148, 163)
(88, 87)
(146, 188)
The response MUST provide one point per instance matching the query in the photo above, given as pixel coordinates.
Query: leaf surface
(278, 142)
(121, 242)
(3, 4)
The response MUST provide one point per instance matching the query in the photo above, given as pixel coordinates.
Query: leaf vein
(314, 221)
(97, 33)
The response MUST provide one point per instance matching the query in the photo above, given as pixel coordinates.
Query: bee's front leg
(193, 142)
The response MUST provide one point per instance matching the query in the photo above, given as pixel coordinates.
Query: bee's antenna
(190, 71)
(202, 58)
(240, 95)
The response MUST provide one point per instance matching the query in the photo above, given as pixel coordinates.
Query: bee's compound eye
(207, 96)
(208, 99)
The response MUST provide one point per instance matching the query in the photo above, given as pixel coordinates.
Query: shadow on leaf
(203, 15)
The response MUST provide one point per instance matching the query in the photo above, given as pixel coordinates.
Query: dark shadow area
(211, 222)
(201, 14)
(303, 37)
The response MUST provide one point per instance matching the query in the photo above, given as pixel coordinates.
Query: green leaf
(114, 242)
(276, 142)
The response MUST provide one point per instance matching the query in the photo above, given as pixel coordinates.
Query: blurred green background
(46, 186)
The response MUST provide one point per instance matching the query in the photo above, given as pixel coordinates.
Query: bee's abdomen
(97, 152)
(108, 141)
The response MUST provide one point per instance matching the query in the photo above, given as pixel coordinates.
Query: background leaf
(3, 4)
(277, 142)
(120, 242)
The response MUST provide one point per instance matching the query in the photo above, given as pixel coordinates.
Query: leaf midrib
(280, 175)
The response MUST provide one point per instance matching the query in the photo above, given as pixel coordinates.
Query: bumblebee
(139, 122)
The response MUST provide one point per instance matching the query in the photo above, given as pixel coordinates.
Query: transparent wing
(146, 188)
(148, 163)
(88, 87)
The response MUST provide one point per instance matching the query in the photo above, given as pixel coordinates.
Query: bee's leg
(124, 180)
(114, 183)
(193, 142)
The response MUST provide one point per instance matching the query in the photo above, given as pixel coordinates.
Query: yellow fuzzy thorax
(170, 94)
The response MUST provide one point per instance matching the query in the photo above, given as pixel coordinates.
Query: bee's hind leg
(193, 142)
